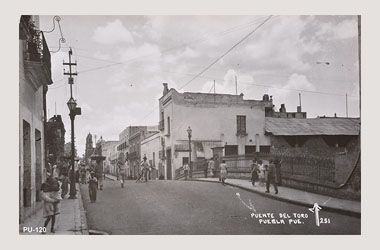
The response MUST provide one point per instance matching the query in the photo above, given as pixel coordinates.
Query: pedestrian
(50, 204)
(186, 170)
(146, 166)
(261, 173)
(254, 172)
(99, 173)
(211, 167)
(54, 171)
(223, 172)
(92, 186)
(271, 176)
(205, 168)
(277, 164)
(83, 175)
(122, 174)
(65, 186)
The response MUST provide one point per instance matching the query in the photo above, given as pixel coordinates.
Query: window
(250, 149)
(230, 149)
(168, 126)
(241, 126)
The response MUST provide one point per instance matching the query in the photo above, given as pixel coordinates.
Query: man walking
(145, 166)
(272, 177)
(122, 174)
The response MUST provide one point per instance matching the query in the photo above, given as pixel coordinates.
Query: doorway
(169, 164)
(38, 177)
(27, 162)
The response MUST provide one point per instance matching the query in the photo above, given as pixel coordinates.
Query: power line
(228, 51)
(241, 82)
(197, 41)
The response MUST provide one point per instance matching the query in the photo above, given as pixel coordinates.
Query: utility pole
(299, 95)
(236, 88)
(73, 111)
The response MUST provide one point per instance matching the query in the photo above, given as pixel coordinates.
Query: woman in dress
(223, 171)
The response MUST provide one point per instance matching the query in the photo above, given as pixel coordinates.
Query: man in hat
(145, 166)
(272, 176)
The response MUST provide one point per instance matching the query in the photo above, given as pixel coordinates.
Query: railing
(312, 168)
(46, 57)
(37, 48)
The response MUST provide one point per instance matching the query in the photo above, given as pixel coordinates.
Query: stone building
(89, 150)
(55, 141)
(34, 78)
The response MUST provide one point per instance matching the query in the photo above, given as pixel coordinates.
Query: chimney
(166, 89)
(283, 109)
(299, 110)
(265, 97)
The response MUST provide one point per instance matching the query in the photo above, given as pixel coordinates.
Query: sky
(122, 62)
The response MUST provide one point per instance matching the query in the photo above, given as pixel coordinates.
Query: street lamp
(190, 165)
(72, 107)
(74, 110)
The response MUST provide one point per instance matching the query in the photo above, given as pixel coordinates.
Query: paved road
(190, 207)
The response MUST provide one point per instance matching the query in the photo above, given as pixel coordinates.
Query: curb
(84, 227)
(300, 203)
(111, 177)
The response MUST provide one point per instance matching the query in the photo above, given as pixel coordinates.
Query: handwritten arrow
(315, 209)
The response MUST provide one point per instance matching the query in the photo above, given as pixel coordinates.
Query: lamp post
(72, 106)
(190, 165)
(74, 110)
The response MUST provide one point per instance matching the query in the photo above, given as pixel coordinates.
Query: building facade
(108, 151)
(138, 134)
(34, 78)
(222, 125)
(151, 147)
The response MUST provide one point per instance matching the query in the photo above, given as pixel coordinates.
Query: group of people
(271, 173)
(260, 173)
(210, 168)
(145, 170)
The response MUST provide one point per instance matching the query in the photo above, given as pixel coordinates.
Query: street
(201, 208)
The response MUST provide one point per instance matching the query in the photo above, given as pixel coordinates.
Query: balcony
(161, 126)
(37, 58)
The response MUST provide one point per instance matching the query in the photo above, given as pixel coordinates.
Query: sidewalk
(71, 220)
(295, 196)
